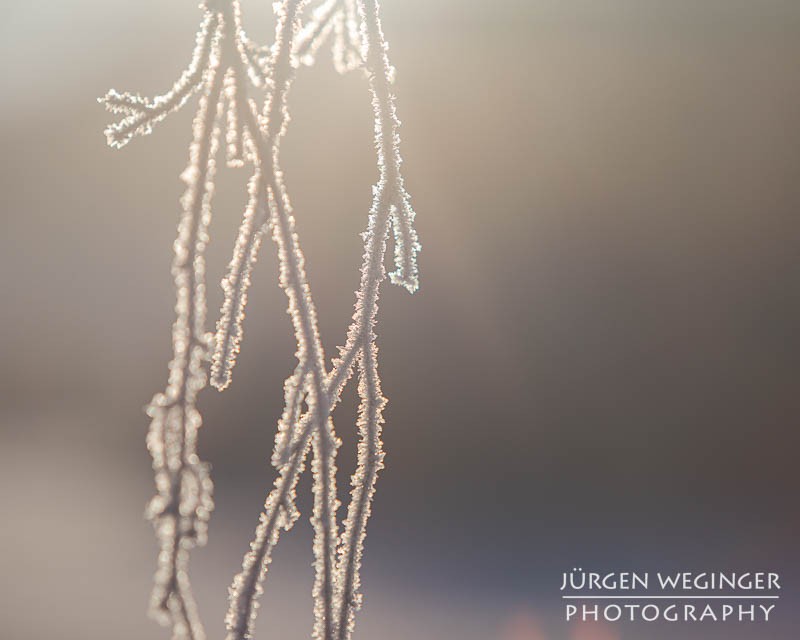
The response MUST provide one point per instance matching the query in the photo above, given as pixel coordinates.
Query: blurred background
(599, 370)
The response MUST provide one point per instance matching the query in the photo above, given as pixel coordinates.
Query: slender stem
(181, 507)
(180, 520)
(303, 314)
(144, 113)
(370, 455)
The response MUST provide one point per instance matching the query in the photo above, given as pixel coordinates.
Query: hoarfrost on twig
(181, 508)
(227, 66)
(236, 284)
(142, 113)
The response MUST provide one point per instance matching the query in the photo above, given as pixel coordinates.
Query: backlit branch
(226, 68)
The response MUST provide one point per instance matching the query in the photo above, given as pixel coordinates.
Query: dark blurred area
(599, 370)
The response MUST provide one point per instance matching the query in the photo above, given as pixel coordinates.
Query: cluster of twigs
(227, 69)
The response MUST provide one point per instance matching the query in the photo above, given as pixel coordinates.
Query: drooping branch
(142, 113)
(181, 508)
(224, 65)
(266, 136)
(272, 124)
(361, 335)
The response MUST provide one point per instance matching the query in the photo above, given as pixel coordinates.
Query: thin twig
(224, 62)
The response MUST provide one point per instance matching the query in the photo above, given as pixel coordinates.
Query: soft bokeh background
(600, 369)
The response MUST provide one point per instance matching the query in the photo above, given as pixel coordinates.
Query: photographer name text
(707, 596)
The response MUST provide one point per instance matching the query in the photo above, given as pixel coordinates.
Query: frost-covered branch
(390, 196)
(225, 67)
(266, 136)
(389, 193)
(272, 123)
(182, 505)
(142, 113)
(181, 508)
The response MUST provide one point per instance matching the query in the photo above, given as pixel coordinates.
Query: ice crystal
(226, 69)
